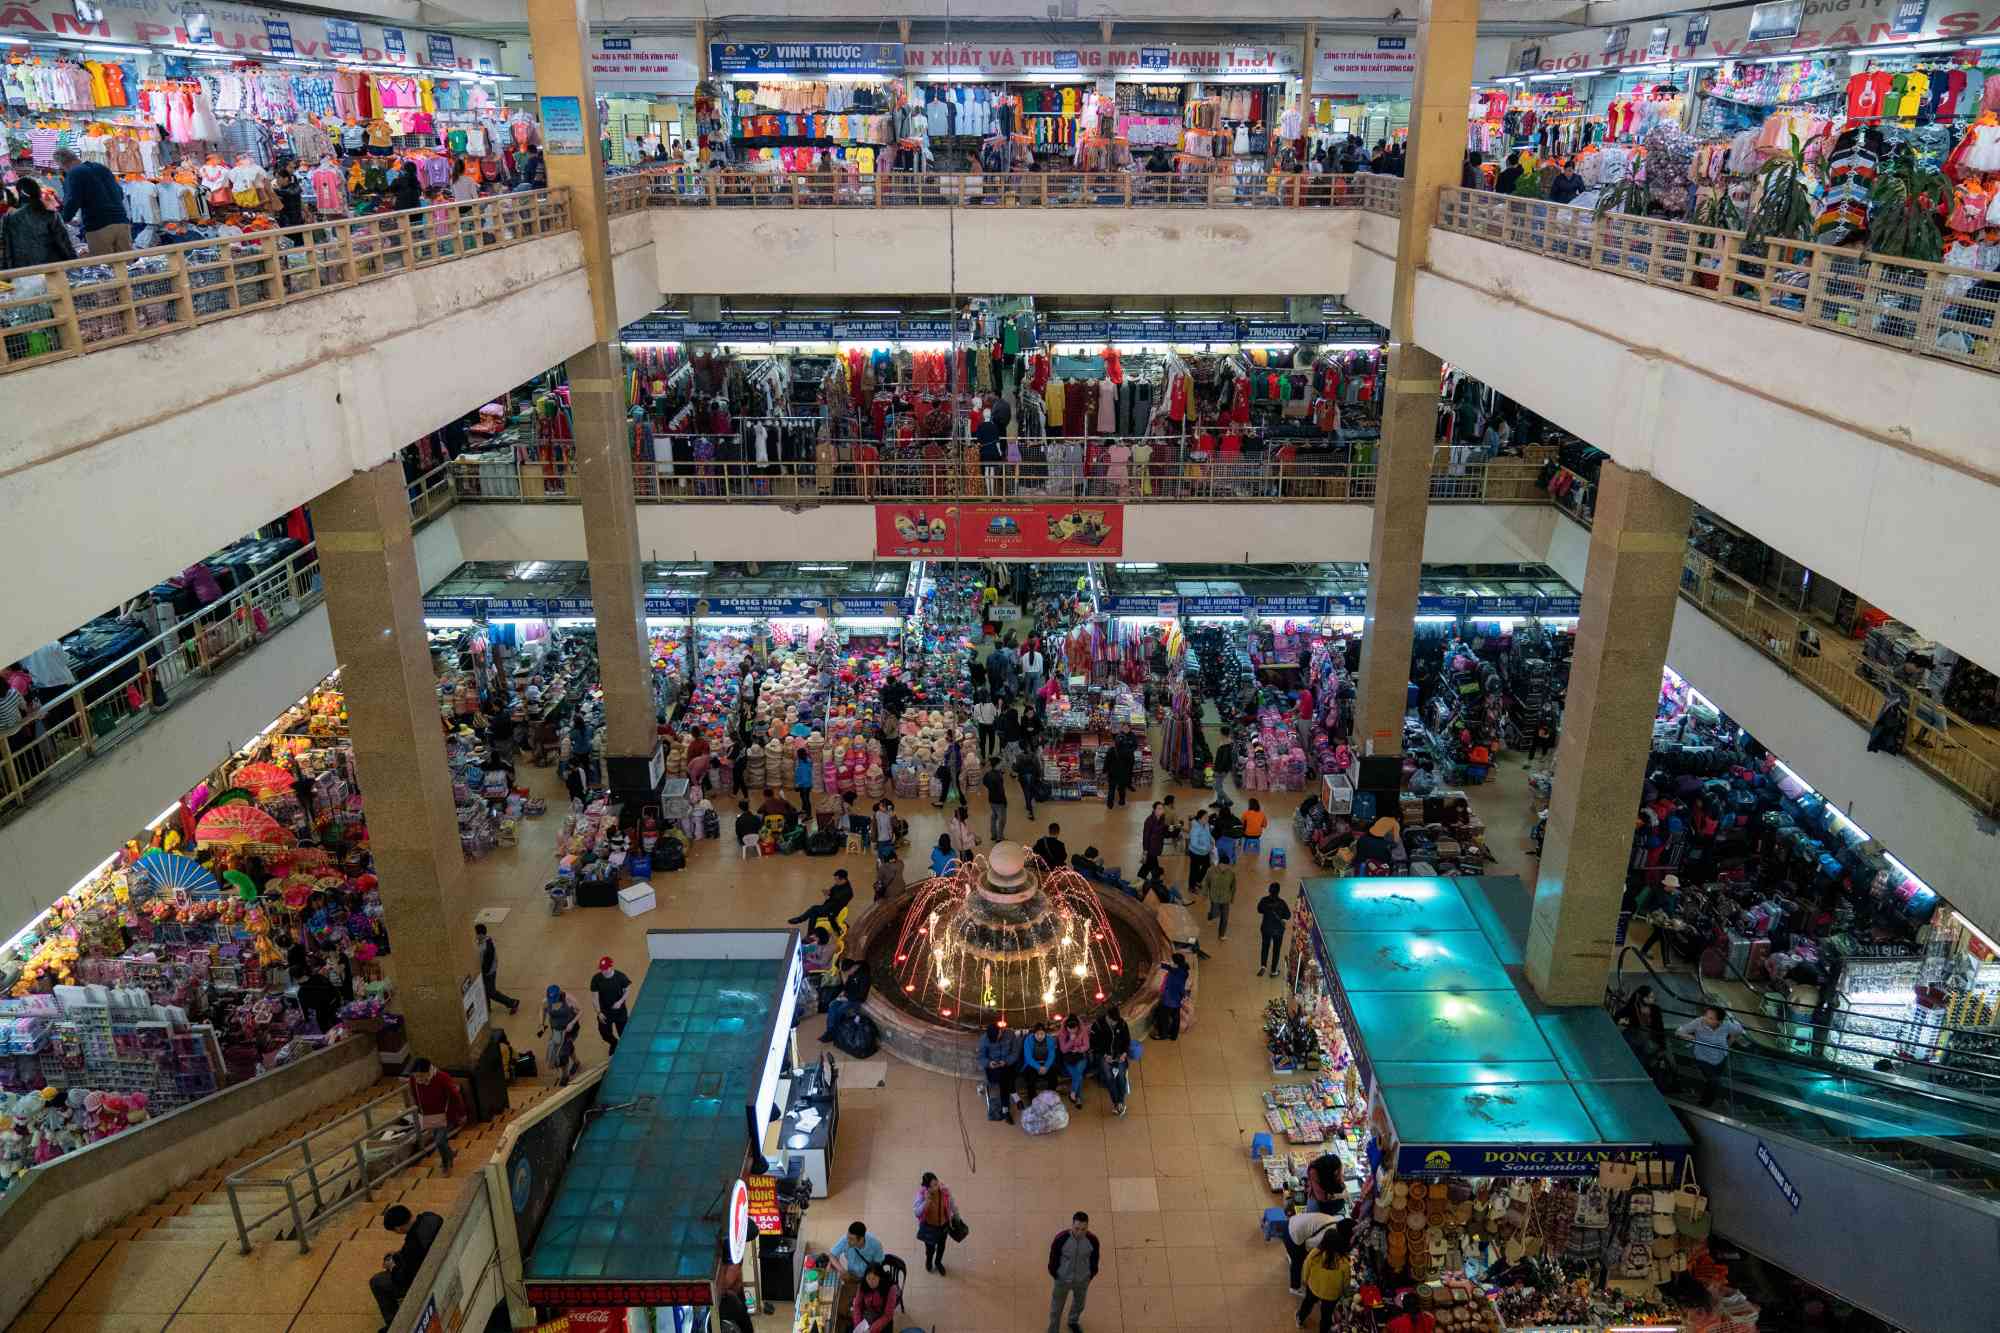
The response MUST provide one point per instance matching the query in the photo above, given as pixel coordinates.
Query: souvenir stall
(811, 125)
(1082, 724)
(163, 974)
(1584, 1211)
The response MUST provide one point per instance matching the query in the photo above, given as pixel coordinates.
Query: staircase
(178, 1258)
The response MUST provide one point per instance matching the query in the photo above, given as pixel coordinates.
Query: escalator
(1861, 1172)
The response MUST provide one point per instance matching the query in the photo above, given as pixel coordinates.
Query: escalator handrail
(1990, 1081)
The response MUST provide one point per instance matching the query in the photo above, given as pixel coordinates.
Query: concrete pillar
(374, 602)
(1447, 31)
(1637, 542)
(560, 32)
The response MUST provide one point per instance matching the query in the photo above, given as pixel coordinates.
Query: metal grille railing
(1928, 309)
(1028, 189)
(62, 310)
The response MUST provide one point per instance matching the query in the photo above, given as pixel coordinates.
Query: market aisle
(1170, 1189)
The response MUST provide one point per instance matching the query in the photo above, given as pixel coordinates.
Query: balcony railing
(83, 305)
(1929, 309)
(128, 693)
(1958, 753)
(1263, 481)
(1032, 189)
(431, 495)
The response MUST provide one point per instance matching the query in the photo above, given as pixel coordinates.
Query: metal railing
(62, 310)
(1961, 754)
(430, 495)
(341, 1172)
(1024, 189)
(123, 696)
(1928, 309)
(945, 478)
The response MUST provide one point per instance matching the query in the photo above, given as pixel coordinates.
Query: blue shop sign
(392, 42)
(667, 606)
(1440, 606)
(1506, 606)
(454, 606)
(874, 606)
(1292, 606)
(1271, 331)
(1164, 607)
(1205, 330)
(1778, 1176)
(1156, 57)
(1562, 606)
(805, 57)
(343, 37)
(278, 32)
(1066, 60)
(1218, 606)
(866, 330)
(440, 49)
(928, 330)
(572, 606)
(1076, 330)
(1909, 21)
(812, 330)
(1527, 1159)
(616, 43)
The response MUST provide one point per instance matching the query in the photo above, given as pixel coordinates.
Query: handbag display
(1616, 1176)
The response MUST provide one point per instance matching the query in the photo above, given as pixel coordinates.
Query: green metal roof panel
(1406, 1074)
(1480, 1026)
(1630, 1113)
(1588, 1045)
(1491, 1113)
(1388, 904)
(1388, 960)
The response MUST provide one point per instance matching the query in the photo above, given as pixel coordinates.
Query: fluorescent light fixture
(1982, 41)
(119, 50)
(821, 569)
(1137, 564)
(1959, 917)
(12, 41)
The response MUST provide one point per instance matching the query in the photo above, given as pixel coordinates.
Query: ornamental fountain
(1003, 939)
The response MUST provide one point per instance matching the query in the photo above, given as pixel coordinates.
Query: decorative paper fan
(228, 796)
(266, 780)
(170, 871)
(238, 825)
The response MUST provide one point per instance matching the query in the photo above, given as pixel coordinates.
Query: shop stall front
(641, 1190)
(1499, 1131)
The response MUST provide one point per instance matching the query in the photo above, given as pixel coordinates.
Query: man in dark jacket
(91, 190)
(399, 1269)
(1271, 931)
(1073, 1258)
(1153, 834)
(1051, 849)
(1119, 766)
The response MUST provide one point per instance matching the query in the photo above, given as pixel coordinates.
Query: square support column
(1632, 584)
(374, 602)
(560, 33)
(1447, 32)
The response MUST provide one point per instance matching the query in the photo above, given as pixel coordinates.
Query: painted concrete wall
(1925, 824)
(1266, 534)
(131, 463)
(82, 821)
(1878, 469)
(1371, 283)
(1077, 252)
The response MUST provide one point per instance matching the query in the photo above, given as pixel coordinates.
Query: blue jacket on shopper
(90, 188)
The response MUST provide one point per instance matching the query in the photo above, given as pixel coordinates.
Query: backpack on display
(671, 856)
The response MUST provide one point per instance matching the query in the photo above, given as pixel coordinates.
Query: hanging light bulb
(1079, 970)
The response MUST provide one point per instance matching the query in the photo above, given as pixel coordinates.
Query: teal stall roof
(1477, 1075)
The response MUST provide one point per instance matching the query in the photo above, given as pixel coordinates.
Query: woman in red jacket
(875, 1301)
(440, 1106)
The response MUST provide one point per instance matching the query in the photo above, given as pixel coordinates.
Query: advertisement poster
(278, 33)
(562, 126)
(343, 37)
(1078, 531)
(1357, 61)
(764, 1204)
(440, 49)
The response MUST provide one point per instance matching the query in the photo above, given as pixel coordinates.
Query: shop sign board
(927, 330)
(764, 1204)
(1218, 606)
(1508, 1159)
(657, 329)
(1658, 40)
(1292, 606)
(803, 330)
(1265, 330)
(1017, 58)
(249, 29)
(659, 606)
(1437, 605)
(1165, 608)
(472, 1001)
(1356, 62)
(1734, 34)
(1000, 531)
(1777, 1175)
(392, 42)
(1506, 606)
(439, 46)
(1562, 606)
(805, 57)
(572, 606)
(657, 59)
(562, 126)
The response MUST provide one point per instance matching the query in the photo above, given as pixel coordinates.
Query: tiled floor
(1170, 1189)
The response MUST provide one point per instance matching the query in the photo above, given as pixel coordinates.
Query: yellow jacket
(1326, 1279)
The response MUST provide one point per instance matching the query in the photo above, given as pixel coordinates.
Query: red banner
(1079, 530)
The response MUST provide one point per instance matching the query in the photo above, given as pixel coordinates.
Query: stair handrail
(331, 1172)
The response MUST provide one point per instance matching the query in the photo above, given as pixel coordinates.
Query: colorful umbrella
(266, 780)
(239, 825)
(168, 870)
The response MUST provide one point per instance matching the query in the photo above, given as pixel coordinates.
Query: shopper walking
(561, 1022)
(995, 783)
(1111, 1049)
(986, 717)
(888, 875)
(440, 1107)
(1028, 772)
(1271, 930)
(1153, 834)
(1173, 994)
(1052, 850)
(884, 817)
(1223, 764)
(1328, 1273)
(802, 780)
(609, 986)
(31, 234)
(1711, 1034)
(1200, 849)
(936, 1210)
(1119, 766)
(1073, 1257)
(1219, 887)
(489, 971)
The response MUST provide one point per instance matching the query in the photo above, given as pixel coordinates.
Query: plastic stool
(1260, 1146)
(1275, 1223)
(1277, 858)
